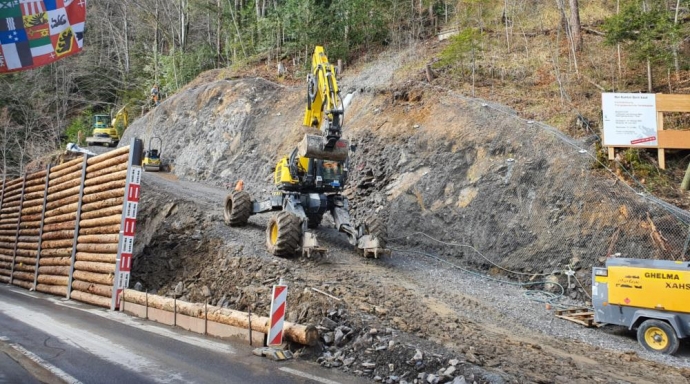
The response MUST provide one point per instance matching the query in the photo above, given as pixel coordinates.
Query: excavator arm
(324, 104)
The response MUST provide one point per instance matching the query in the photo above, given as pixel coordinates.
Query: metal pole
(19, 221)
(121, 280)
(76, 227)
(40, 230)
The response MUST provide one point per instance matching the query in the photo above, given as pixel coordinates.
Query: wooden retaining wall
(60, 228)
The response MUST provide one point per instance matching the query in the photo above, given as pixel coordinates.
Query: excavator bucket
(369, 246)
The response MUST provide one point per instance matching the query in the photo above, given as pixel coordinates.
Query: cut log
(9, 226)
(53, 289)
(103, 179)
(4, 279)
(59, 227)
(97, 257)
(116, 210)
(27, 252)
(28, 239)
(31, 183)
(53, 280)
(106, 171)
(102, 204)
(6, 232)
(32, 210)
(101, 221)
(58, 235)
(21, 267)
(56, 261)
(90, 298)
(6, 265)
(27, 276)
(53, 270)
(31, 218)
(96, 289)
(36, 175)
(33, 197)
(98, 239)
(100, 230)
(119, 192)
(307, 335)
(90, 266)
(26, 284)
(97, 248)
(60, 218)
(108, 155)
(27, 245)
(53, 244)
(5, 272)
(25, 260)
(92, 277)
(61, 252)
(8, 200)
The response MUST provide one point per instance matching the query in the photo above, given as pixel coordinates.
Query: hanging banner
(629, 119)
(38, 32)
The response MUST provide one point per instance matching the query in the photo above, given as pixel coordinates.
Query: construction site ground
(419, 304)
(425, 162)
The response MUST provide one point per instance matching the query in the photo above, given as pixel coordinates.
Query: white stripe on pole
(278, 303)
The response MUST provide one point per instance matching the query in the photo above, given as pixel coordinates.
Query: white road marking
(307, 375)
(95, 344)
(155, 329)
(69, 379)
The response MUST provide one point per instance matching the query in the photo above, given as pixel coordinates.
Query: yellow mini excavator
(310, 180)
(106, 131)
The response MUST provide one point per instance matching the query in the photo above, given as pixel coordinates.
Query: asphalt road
(48, 339)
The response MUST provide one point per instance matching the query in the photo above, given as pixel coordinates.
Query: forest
(548, 59)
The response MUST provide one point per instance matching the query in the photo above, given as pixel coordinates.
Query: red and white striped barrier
(275, 334)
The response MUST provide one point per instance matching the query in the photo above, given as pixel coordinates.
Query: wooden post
(40, 230)
(339, 68)
(19, 222)
(76, 228)
(660, 127)
(612, 153)
(429, 73)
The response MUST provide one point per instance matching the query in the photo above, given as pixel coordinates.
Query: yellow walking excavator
(106, 131)
(310, 180)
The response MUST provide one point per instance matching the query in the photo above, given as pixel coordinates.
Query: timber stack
(26, 252)
(58, 227)
(99, 227)
(9, 218)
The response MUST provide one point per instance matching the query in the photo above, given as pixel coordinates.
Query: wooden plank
(660, 128)
(674, 139)
(612, 153)
(672, 103)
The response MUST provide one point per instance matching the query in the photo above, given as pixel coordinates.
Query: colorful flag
(38, 32)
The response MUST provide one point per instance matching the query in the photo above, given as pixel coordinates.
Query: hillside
(459, 182)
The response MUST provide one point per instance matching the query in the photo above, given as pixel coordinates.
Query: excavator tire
(314, 221)
(284, 234)
(238, 208)
(375, 227)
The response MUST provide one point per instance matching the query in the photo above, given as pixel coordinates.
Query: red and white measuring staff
(278, 302)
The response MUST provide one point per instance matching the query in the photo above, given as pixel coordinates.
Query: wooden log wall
(45, 214)
(29, 227)
(9, 218)
(99, 227)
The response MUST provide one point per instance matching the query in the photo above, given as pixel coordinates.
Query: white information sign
(629, 119)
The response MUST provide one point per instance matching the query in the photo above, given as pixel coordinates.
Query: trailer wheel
(284, 234)
(657, 336)
(238, 208)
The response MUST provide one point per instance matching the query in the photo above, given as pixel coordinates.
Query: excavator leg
(369, 238)
(288, 231)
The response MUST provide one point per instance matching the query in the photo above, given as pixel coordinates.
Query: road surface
(48, 339)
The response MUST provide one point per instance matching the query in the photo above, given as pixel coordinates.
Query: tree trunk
(575, 27)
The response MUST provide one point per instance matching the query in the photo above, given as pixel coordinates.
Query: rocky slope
(462, 181)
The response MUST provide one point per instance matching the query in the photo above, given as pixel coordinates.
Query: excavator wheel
(314, 221)
(283, 234)
(238, 208)
(375, 227)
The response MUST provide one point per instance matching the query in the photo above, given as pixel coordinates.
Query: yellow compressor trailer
(652, 296)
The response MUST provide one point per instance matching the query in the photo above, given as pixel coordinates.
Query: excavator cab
(107, 131)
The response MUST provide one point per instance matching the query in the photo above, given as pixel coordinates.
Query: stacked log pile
(9, 218)
(29, 230)
(99, 227)
(58, 227)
